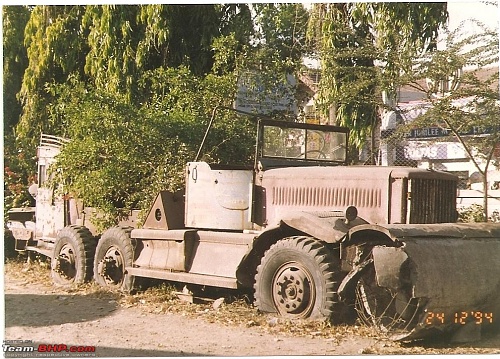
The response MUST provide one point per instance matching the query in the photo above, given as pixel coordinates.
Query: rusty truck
(308, 235)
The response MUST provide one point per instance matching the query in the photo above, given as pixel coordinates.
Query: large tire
(9, 245)
(73, 256)
(115, 252)
(297, 279)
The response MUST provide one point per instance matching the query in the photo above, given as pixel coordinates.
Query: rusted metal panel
(398, 200)
(326, 189)
(50, 213)
(167, 211)
(441, 278)
(398, 232)
(220, 254)
(193, 251)
(22, 233)
(162, 249)
(171, 235)
(218, 199)
(329, 226)
(214, 281)
(388, 262)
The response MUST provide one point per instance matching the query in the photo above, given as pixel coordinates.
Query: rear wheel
(296, 279)
(113, 254)
(73, 256)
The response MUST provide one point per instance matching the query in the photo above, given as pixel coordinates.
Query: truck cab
(228, 197)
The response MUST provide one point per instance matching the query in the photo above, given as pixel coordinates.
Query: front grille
(432, 201)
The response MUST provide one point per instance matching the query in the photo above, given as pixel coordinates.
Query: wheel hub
(111, 267)
(293, 291)
(65, 262)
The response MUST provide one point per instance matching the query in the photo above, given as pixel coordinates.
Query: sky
(463, 10)
(463, 13)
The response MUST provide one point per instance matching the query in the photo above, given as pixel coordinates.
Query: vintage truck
(308, 235)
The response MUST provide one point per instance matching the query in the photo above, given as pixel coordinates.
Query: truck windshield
(304, 143)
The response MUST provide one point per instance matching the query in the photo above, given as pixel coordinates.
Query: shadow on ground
(43, 310)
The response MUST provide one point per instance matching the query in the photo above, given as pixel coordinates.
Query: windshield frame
(266, 160)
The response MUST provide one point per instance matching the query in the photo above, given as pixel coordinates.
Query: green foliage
(115, 149)
(121, 155)
(283, 28)
(53, 41)
(475, 213)
(133, 87)
(111, 47)
(19, 173)
(471, 214)
(351, 38)
(15, 61)
(112, 39)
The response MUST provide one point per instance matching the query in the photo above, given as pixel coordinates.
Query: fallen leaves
(231, 310)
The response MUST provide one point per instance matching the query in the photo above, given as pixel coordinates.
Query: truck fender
(370, 233)
(330, 227)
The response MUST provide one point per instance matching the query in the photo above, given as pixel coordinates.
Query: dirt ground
(121, 326)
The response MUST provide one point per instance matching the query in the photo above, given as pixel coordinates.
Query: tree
(133, 88)
(274, 54)
(350, 38)
(15, 61)
(19, 166)
(283, 28)
(53, 39)
(122, 154)
(470, 112)
(111, 46)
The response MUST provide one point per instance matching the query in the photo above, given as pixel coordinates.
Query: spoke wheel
(73, 256)
(297, 278)
(113, 254)
(388, 310)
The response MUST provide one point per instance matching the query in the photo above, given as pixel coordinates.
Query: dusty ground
(156, 323)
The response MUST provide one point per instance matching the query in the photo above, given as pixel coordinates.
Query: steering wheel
(320, 154)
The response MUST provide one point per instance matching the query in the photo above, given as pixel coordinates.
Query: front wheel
(73, 255)
(297, 279)
(113, 254)
(391, 311)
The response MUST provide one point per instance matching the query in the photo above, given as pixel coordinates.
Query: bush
(475, 213)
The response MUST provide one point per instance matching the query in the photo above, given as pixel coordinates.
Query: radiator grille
(433, 201)
(326, 197)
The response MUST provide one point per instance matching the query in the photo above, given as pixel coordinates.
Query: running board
(184, 277)
(48, 252)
